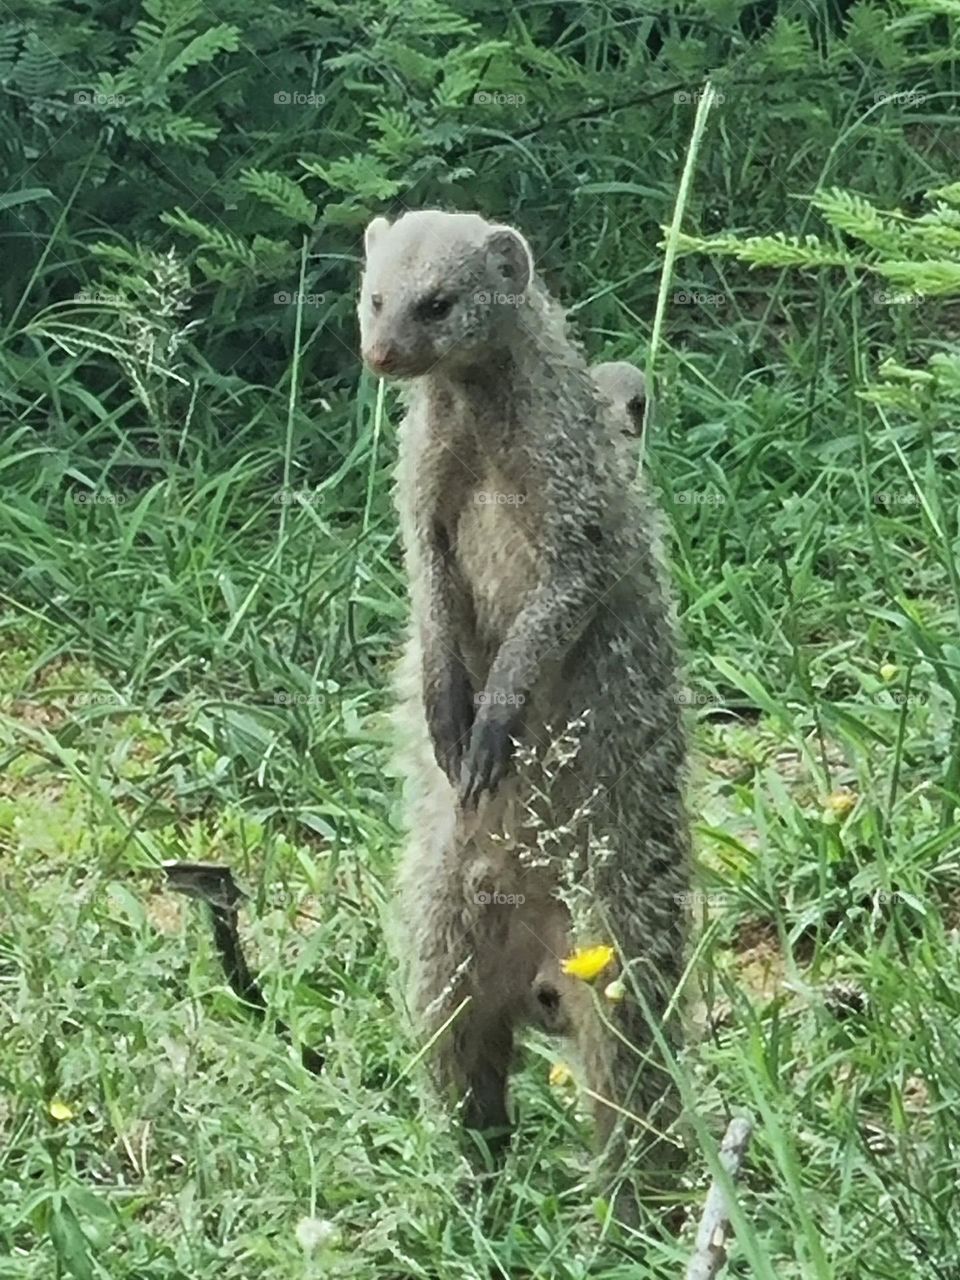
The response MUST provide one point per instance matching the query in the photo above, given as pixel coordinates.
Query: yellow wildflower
(560, 1074)
(840, 802)
(588, 962)
(59, 1110)
(889, 672)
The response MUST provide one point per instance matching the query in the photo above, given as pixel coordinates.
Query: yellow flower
(888, 672)
(588, 962)
(560, 1074)
(840, 802)
(615, 991)
(59, 1110)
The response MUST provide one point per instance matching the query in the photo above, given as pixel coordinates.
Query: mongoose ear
(510, 254)
(374, 231)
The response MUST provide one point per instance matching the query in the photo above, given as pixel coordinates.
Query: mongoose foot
(450, 719)
(487, 1148)
(488, 758)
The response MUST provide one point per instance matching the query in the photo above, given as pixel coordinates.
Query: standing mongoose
(543, 746)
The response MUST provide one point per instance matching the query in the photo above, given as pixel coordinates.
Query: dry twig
(710, 1252)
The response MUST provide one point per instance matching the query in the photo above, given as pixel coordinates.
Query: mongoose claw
(488, 758)
(450, 719)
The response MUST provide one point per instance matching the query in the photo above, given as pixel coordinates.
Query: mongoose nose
(381, 358)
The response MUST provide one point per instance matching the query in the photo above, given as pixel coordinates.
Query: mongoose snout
(382, 358)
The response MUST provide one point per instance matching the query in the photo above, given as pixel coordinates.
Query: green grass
(200, 601)
(170, 693)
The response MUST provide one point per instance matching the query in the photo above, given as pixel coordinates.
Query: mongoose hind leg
(636, 1100)
(457, 943)
(475, 1065)
(472, 1057)
(633, 1103)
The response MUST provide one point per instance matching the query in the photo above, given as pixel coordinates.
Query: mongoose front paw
(488, 758)
(450, 719)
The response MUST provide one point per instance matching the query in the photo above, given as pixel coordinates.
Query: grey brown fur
(538, 619)
(624, 387)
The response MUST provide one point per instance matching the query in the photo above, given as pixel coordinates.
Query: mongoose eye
(376, 302)
(434, 308)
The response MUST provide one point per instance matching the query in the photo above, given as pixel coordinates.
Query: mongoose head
(440, 289)
(625, 387)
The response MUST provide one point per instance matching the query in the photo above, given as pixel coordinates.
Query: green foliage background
(202, 597)
(166, 132)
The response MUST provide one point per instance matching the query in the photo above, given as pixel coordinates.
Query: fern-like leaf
(280, 193)
(852, 214)
(933, 279)
(769, 251)
(788, 44)
(360, 175)
(173, 15)
(10, 36)
(399, 133)
(224, 244)
(949, 193)
(38, 72)
(179, 131)
(204, 47)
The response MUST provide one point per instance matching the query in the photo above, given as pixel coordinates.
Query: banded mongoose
(624, 386)
(539, 627)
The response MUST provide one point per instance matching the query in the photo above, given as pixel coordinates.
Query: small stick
(710, 1251)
